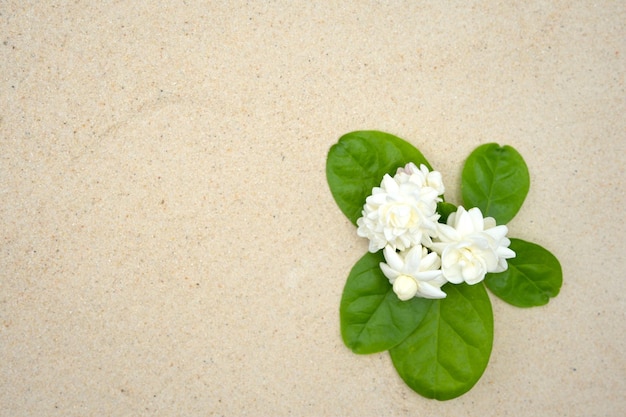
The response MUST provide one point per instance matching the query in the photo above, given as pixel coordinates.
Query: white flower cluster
(421, 254)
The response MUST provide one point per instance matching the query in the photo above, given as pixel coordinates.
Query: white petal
(476, 216)
(413, 259)
(447, 233)
(411, 168)
(426, 276)
(438, 282)
(479, 241)
(388, 233)
(390, 273)
(428, 195)
(430, 261)
(452, 273)
(490, 260)
(473, 273)
(498, 232)
(376, 245)
(451, 219)
(430, 291)
(408, 169)
(434, 180)
(376, 199)
(438, 247)
(450, 265)
(505, 253)
(393, 259)
(389, 184)
(464, 225)
(502, 266)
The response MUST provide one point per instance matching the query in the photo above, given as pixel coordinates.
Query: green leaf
(496, 180)
(445, 209)
(358, 162)
(532, 278)
(449, 350)
(373, 319)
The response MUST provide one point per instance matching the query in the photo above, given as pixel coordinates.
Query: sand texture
(168, 242)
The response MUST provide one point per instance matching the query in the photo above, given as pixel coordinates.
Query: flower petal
(390, 273)
(412, 260)
(464, 225)
(430, 261)
(498, 232)
(478, 223)
(389, 184)
(426, 290)
(447, 233)
(425, 276)
(393, 259)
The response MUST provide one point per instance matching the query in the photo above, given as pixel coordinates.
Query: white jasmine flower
(471, 246)
(430, 179)
(413, 273)
(402, 211)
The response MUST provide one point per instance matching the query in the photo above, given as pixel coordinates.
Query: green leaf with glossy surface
(373, 319)
(358, 162)
(445, 209)
(532, 278)
(496, 180)
(449, 350)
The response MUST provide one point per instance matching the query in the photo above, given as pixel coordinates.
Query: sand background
(168, 242)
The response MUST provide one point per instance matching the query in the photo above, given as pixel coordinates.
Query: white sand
(169, 245)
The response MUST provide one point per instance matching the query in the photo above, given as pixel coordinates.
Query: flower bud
(405, 287)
